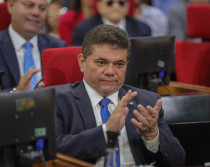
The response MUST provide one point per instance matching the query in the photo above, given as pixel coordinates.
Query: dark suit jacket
(8, 59)
(134, 28)
(78, 136)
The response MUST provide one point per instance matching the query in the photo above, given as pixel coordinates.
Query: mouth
(109, 81)
(33, 21)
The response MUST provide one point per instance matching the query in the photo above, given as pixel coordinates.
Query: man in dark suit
(27, 18)
(137, 114)
(112, 12)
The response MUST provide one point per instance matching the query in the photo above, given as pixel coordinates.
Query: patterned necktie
(105, 114)
(29, 62)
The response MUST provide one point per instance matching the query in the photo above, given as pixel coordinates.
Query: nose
(110, 70)
(115, 3)
(35, 11)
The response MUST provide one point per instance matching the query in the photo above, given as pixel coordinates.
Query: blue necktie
(29, 62)
(105, 114)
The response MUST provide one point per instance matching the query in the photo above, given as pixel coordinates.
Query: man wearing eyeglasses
(111, 12)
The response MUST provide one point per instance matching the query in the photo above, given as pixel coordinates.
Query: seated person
(113, 12)
(177, 19)
(55, 10)
(79, 11)
(137, 114)
(21, 45)
(151, 16)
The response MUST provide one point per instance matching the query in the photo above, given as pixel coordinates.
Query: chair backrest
(186, 109)
(197, 24)
(5, 17)
(189, 120)
(192, 60)
(60, 65)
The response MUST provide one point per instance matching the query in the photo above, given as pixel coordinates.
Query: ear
(10, 4)
(81, 62)
(99, 6)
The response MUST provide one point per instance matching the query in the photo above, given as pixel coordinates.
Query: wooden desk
(181, 88)
(65, 161)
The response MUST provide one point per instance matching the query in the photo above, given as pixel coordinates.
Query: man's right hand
(25, 80)
(117, 119)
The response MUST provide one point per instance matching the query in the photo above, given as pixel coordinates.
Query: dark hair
(76, 5)
(148, 2)
(105, 34)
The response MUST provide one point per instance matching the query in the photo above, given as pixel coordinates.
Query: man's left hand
(147, 120)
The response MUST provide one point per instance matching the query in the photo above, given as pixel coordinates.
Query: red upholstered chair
(192, 59)
(5, 17)
(60, 66)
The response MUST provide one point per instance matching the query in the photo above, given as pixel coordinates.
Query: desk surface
(65, 161)
(182, 88)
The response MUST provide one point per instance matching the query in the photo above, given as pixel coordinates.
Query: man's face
(113, 10)
(28, 16)
(104, 70)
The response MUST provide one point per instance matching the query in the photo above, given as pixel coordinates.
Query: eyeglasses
(58, 12)
(121, 3)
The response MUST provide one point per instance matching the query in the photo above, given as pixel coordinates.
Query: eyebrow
(107, 60)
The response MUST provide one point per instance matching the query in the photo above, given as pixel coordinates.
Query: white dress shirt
(122, 23)
(155, 19)
(126, 156)
(18, 43)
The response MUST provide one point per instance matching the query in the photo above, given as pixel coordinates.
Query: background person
(137, 114)
(151, 16)
(111, 12)
(79, 11)
(177, 19)
(27, 18)
(55, 10)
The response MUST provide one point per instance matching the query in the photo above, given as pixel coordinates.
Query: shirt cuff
(152, 145)
(105, 132)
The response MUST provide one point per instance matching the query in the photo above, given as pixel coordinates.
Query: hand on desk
(147, 120)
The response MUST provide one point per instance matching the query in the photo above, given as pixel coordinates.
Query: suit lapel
(10, 56)
(42, 44)
(129, 27)
(132, 133)
(131, 130)
(84, 106)
(131, 105)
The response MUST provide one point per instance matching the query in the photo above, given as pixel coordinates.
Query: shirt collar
(95, 97)
(121, 25)
(18, 40)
